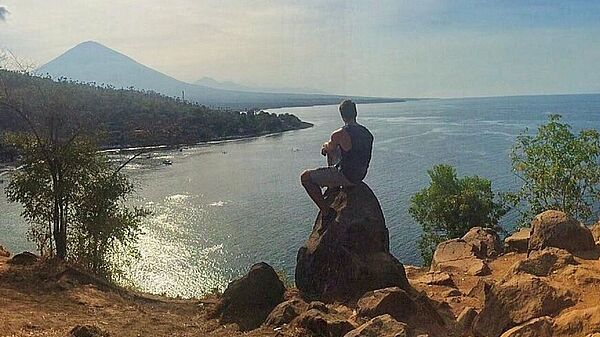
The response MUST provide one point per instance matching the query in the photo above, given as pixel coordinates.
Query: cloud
(3, 13)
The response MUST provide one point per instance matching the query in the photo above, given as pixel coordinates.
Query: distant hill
(128, 118)
(228, 85)
(94, 62)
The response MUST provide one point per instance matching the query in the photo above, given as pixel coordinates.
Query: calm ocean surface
(222, 207)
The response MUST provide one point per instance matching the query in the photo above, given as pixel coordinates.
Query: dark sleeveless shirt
(354, 163)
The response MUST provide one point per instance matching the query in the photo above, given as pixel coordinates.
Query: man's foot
(327, 218)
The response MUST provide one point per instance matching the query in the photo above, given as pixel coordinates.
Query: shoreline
(306, 125)
(7, 167)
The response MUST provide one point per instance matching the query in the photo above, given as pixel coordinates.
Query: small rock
(537, 327)
(4, 252)
(381, 326)
(285, 312)
(436, 278)
(87, 331)
(518, 241)
(466, 317)
(451, 293)
(477, 267)
(24, 259)
(323, 324)
(318, 306)
(595, 229)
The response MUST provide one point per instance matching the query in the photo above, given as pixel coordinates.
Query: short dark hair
(348, 110)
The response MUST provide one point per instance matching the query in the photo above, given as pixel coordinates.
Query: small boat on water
(167, 162)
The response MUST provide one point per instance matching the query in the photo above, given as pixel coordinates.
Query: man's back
(355, 162)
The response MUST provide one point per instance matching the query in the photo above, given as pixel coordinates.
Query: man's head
(348, 110)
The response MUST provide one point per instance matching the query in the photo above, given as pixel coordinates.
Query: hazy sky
(421, 48)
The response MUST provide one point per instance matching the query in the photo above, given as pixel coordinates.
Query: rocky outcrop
(351, 255)
(543, 262)
(556, 229)
(518, 241)
(516, 301)
(249, 300)
(381, 326)
(414, 309)
(537, 327)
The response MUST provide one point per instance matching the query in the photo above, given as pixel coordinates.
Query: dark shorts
(329, 176)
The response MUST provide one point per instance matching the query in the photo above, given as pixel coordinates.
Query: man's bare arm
(338, 138)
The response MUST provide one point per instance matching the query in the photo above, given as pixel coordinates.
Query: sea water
(221, 207)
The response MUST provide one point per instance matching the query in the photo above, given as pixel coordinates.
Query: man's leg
(314, 191)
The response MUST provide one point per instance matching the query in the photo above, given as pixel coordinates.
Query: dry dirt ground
(34, 303)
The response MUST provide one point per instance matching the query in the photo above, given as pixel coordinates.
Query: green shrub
(558, 169)
(450, 206)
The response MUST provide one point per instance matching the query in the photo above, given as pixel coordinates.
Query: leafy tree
(72, 196)
(450, 206)
(559, 170)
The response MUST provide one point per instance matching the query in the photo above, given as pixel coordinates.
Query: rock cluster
(540, 286)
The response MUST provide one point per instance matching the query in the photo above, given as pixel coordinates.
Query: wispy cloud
(3, 13)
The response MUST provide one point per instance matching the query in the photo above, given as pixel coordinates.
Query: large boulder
(414, 309)
(486, 242)
(249, 300)
(458, 256)
(518, 241)
(350, 256)
(516, 301)
(557, 229)
(381, 326)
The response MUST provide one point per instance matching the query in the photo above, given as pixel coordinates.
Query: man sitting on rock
(348, 155)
